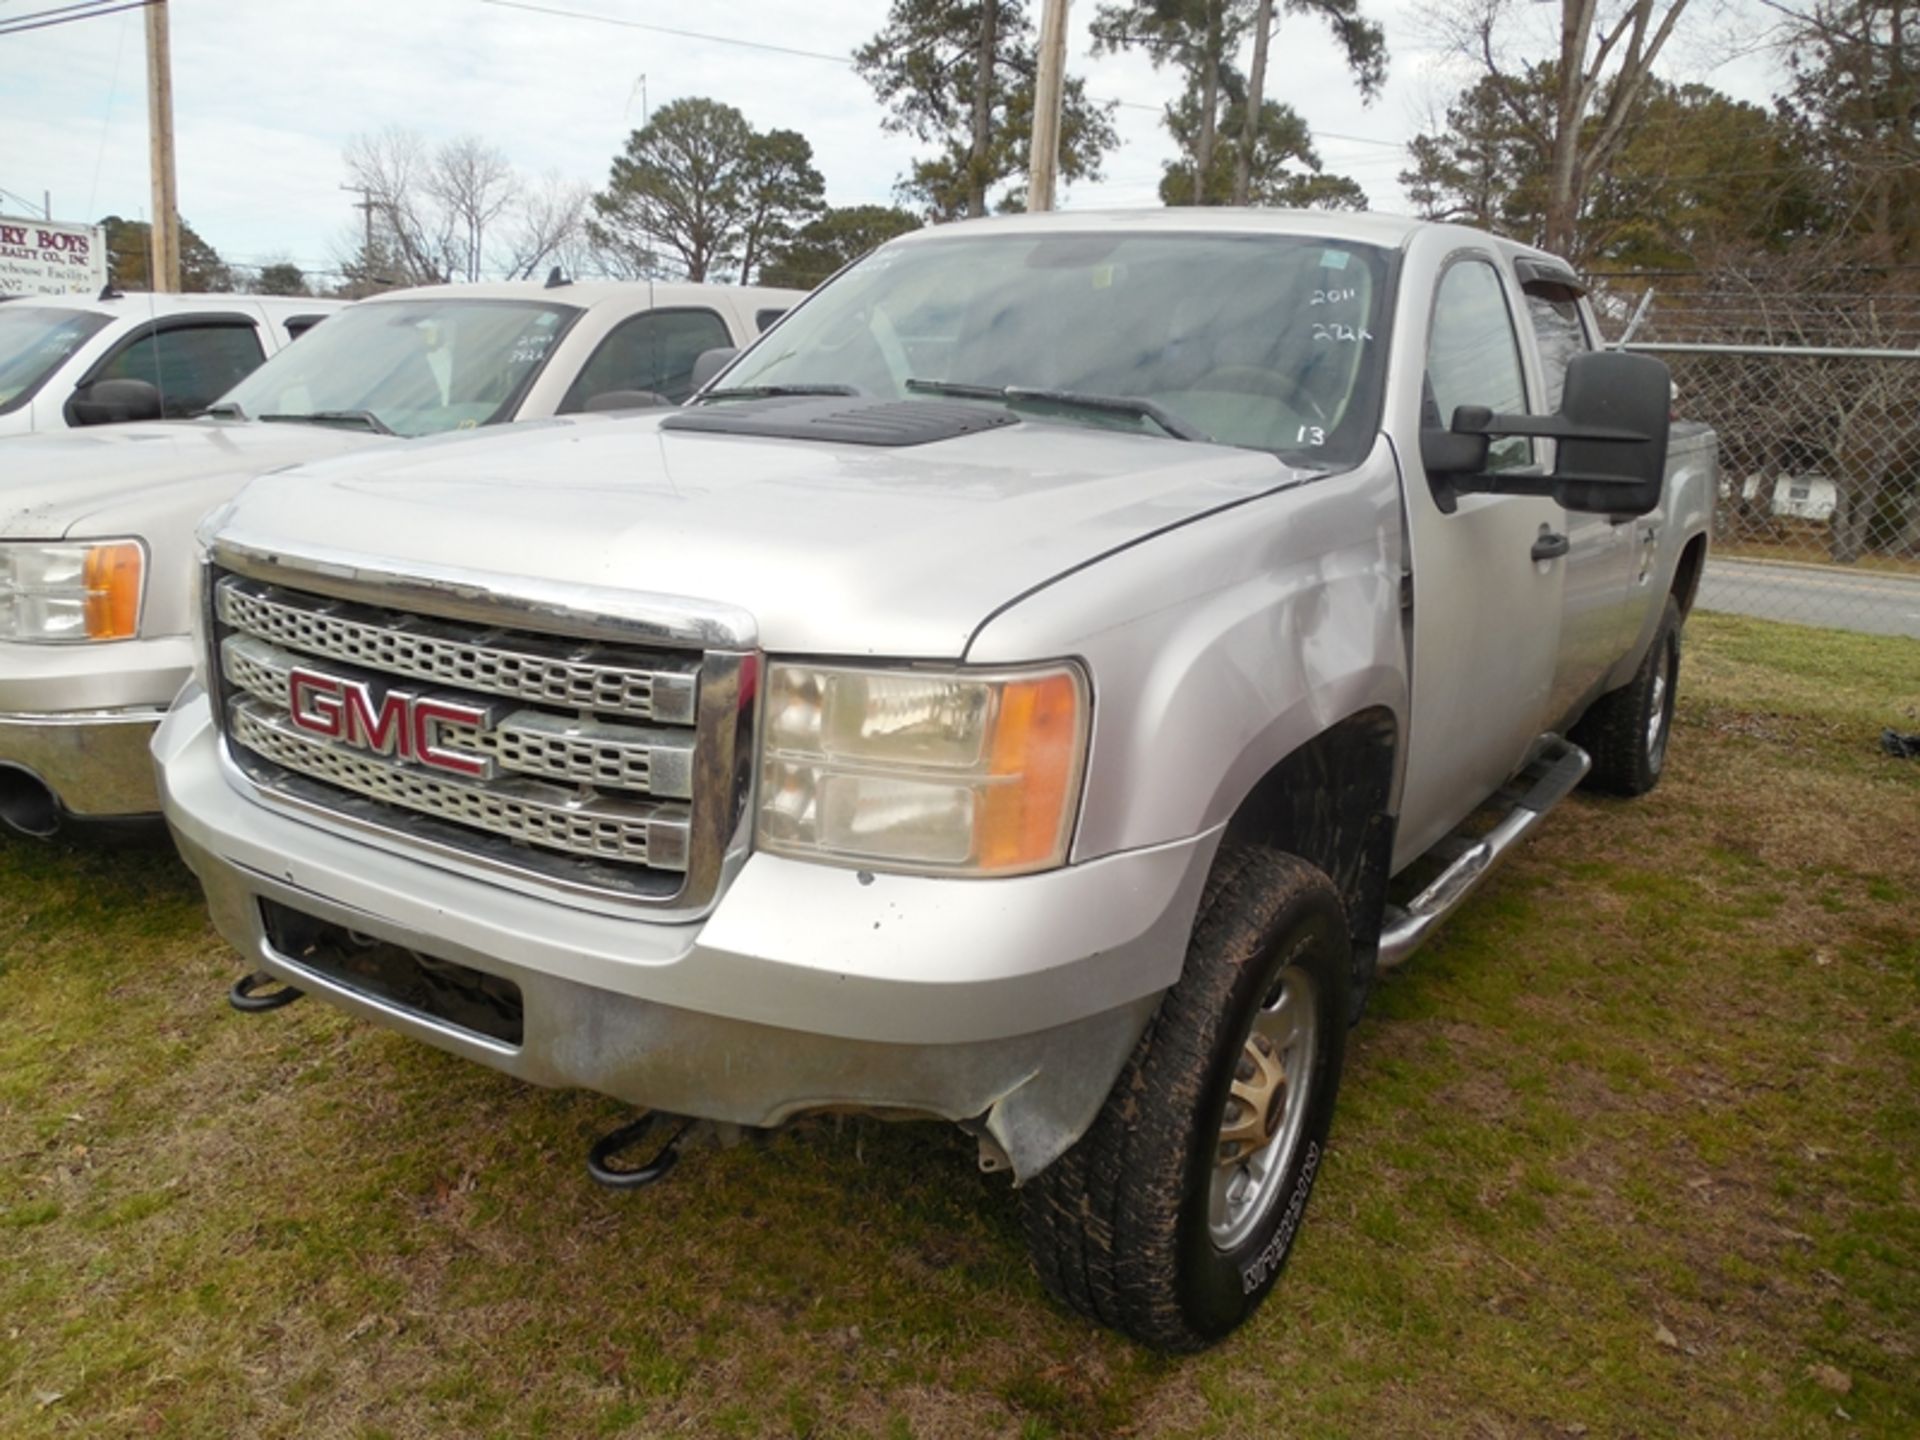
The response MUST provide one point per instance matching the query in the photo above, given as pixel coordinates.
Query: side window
(298, 325)
(1473, 355)
(1562, 335)
(654, 351)
(191, 366)
(763, 318)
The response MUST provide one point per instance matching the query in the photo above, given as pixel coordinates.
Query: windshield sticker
(1333, 259)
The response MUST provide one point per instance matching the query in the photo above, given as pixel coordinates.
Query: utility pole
(1048, 93)
(164, 260)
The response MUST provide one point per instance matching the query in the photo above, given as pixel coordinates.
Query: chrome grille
(533, 668)
(527, 742)
(587, 752)
(539, 814)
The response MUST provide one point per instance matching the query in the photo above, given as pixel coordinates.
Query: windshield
(34, 342)
(415, 367)
(1274, 342)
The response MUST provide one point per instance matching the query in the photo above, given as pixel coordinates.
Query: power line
(842, 60)
(667, 30)
(19, 25)
(56, 10)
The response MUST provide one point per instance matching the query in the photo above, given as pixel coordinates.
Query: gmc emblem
(394, 722)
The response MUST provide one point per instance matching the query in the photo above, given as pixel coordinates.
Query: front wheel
(1172, 1216)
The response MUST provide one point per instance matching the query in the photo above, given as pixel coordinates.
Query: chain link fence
(1814, 391)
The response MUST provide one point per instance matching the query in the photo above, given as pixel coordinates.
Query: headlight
(71, 593)
(923, 771)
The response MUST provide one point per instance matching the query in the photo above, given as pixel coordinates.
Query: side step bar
(1551, 777)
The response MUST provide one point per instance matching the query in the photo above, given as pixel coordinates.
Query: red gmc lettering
(385, 731)
(426, 749)
(401, 724)
(313, 703)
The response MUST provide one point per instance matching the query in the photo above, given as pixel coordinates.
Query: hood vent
(843, 421)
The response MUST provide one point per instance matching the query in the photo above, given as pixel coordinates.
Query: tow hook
(250, 996)
(628, 1137)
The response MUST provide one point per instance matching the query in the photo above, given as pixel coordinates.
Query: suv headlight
(68, 593)
(925, 771)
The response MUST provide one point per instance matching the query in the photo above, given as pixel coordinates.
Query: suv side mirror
(113, 402)
(711, 363)
(1615, 413)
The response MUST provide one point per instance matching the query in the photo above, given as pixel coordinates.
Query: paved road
(1839, 599)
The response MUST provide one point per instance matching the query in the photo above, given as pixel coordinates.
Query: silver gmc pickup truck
(1038, 686)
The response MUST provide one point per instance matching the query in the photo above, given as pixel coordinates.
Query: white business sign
(48, 257)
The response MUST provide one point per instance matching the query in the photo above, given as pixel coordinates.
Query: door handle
(1550, 546)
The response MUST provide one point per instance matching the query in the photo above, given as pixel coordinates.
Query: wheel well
(1686, 575)
(1327, 804)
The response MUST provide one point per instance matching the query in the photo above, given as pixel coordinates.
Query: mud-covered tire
(1119, 1227)
(1627, 731)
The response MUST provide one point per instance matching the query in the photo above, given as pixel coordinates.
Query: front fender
(1221, 646)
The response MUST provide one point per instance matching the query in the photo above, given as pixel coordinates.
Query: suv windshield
(34, 342)
(1263, 341)
(413, 367)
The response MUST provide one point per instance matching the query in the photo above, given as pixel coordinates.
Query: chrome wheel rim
(1657, 721)
(1266, 1110)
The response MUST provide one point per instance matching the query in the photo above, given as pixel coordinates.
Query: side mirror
(624, 400)
(1632, 396)
(1615, 413)
(113, 402)
(711, 363)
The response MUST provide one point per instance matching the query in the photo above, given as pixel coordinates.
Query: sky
(268, 92)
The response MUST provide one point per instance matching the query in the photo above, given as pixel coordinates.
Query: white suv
(68, 361)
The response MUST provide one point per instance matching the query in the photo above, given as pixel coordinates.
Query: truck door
(1486, 610)
(1599, 562)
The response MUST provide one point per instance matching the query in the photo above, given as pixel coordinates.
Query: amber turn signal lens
(1036, 755)
(113, 574)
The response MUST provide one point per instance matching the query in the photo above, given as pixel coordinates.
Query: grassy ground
(1634, 1149)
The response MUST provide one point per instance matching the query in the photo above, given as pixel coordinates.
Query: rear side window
(298, 325)
(763, 318)
(1562, 335)
(191, 365)
(654, 351)
(1473, 355)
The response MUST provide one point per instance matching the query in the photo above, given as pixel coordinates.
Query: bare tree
(547, 227)
(410, 231)
(456, 211)
(1598, 79)
(473, 184)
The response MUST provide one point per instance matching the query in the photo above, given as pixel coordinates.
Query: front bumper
(80, 719)
(1011, 1002)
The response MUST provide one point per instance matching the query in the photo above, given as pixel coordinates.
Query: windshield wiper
(364, 418)
(763, 392)
(1067, 400)
(225, 410)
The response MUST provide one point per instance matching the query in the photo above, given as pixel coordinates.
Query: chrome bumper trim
(96, 762)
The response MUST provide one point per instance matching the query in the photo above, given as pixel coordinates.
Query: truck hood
(833, 548)
(113, 477)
